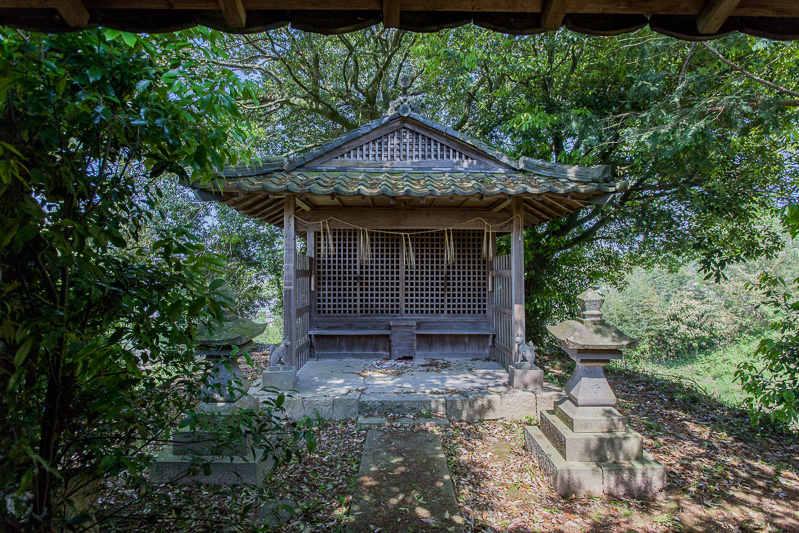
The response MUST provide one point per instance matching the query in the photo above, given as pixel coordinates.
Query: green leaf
(22, 353)
(94, 74)
(129, 38)
(142, 85)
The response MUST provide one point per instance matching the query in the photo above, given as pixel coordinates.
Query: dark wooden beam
(552, 14)
(390, 218)
(714, 15)
(73, 12)
(234, 13)
(391, 13)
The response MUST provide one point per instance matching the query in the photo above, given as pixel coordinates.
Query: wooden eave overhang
(684, 19)
(412, 193)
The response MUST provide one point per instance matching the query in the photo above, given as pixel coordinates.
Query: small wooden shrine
(390, 237)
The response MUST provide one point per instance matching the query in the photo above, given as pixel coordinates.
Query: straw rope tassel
(330, 239)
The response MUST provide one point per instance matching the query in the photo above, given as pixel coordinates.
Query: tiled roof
(525, 176)
(408, 183)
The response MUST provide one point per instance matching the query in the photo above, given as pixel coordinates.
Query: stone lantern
(226, 383)
(584, 444)
(224, 391)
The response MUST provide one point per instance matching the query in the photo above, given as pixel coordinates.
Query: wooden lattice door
(391, 284)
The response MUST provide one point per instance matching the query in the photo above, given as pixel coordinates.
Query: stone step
(383, 421)
(213, 470)
(373, 405)
(590, 419)
(591, 447)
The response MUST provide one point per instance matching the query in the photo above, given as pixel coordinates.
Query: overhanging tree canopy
(685, 19)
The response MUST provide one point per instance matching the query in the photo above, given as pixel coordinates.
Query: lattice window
(425, 283)
(337, 273)
(405, 144)
(345, 286)
(466, 278)
(380, 277)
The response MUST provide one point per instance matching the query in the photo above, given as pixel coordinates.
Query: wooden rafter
(556, 205)
(266, 209)
(391, 13)
(543, 208)
(552, 14)
(714, 15)
(234, 13)
(537, 218)
(543, 216)
(501, 204)
(73, 12)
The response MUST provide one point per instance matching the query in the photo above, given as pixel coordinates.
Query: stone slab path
(404, 485)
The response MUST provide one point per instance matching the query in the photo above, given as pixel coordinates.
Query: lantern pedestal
(583, 444)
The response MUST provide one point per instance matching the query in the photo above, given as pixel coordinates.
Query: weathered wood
(73, 12)
(403, 339)
(716, 12)
(552, 14)
(234, 13)
(446, 148)
(289, 268)
(408, 219)
(517, 272)
(391, 13)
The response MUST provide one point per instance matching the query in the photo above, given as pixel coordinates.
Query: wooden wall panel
(302, 298)
(502, 351)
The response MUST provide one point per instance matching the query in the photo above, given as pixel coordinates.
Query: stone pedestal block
(588, 386)
(589, 419)
(591, 447)
(187, 442)
(282, 378)
(172, 468)
(526, 378)
(566, 478)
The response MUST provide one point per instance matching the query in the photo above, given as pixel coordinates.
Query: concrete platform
(459, 389)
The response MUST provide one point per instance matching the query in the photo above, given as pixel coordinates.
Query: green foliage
(96, 326)
(253, 250)
(707, 149)
(773, 379)
(679, 314)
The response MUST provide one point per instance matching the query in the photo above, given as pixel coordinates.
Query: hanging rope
(326, 240)
(488, 240)
(407, 250)
(324, 223)
(449, 246)
(365, 251)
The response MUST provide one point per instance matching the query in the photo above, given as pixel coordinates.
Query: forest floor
(723, 475)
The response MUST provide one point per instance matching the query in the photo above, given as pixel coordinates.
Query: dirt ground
(723, 475)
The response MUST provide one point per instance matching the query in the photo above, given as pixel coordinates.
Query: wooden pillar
(517, 274)
(289, 275)
(310, 247)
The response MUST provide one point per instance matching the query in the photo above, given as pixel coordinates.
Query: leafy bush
(96, 323)
(773, 379)
(680, 313)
